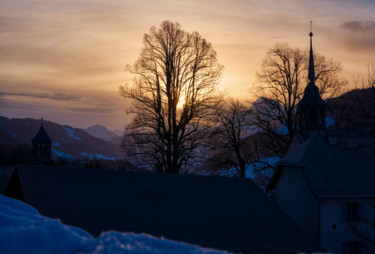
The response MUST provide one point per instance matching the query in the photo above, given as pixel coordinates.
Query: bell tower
(41, 147)
(311, 108)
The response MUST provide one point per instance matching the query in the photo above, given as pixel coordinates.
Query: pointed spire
(311, 107)
(41, 136)
(311, 75)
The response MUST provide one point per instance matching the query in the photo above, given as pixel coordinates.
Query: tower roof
(41, 136)
(311, 95)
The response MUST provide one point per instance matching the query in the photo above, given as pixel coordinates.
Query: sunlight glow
(181, 102)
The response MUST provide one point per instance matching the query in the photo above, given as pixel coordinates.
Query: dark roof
(311, 96)
(223, 213)
(5, 175)
(41, 136)
(334, 166)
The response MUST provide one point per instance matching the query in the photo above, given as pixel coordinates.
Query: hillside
(67, 142)
(354, 109)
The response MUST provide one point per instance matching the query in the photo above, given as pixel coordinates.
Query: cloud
(358, 36)
(54, 96)
(360, 27)
(92, 110)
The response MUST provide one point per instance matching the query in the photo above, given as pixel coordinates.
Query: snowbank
(24, 230)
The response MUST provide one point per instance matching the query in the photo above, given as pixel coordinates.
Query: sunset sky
(64, 59)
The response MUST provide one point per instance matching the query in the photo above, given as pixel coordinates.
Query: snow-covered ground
(99, 156)
(63, 155)
(24, 230)
(70, 132)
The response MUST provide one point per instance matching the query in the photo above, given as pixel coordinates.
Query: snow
(283, 130)
(70, 132)
(259, 165)
(63, 155)
(92, 156)
(330, 121)
(250, 168)
(56, 144)
(24, 230)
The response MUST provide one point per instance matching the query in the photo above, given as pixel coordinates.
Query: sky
(64, 60)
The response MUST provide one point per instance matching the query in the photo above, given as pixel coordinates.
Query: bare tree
(371, 76)
(280, 86)
(174, 90)
(231, 127)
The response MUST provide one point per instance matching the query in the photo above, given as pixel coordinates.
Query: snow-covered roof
(335, 165)
(217, 212)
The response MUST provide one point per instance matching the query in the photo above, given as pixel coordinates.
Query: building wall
(296, 199)
(335, 233)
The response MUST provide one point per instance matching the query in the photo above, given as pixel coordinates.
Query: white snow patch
(24, 230)
(330, 121)
(56, 144)
(99, 156)
(260, 165)
(283, 130)
(63, 155)
(70, 132)
(251, 169)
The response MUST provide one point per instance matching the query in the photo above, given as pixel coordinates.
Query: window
(351, 248)
(351, 211)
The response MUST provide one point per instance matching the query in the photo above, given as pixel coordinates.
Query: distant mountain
(67, 142)
(119, 132)
(99, 131)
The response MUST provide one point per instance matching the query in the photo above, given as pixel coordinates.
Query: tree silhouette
(233, 142)
(173, 91)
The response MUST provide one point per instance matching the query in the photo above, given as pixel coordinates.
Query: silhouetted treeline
(22, 154)
(18, 155)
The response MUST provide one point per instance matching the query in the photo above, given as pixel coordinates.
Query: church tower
(311, 108)
(41, 147)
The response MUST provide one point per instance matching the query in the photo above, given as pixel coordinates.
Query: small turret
(41, 147)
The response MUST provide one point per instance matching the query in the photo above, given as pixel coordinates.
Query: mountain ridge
(67, 142)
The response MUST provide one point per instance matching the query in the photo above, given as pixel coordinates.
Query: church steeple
(311, 108)
(41, 147)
